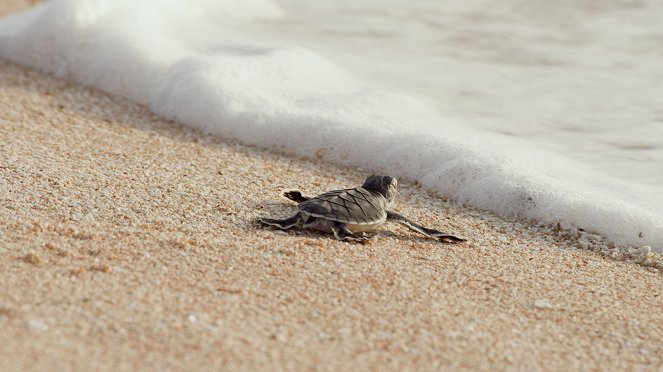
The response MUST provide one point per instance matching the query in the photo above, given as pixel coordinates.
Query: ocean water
(550, 111)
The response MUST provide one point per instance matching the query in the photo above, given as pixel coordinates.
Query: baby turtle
(350, 213)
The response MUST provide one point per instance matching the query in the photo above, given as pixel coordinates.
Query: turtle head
(385, 185)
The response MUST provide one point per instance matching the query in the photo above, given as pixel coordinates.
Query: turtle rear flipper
(295, 195)
(341, 232)
(393, 216)
(283, 224)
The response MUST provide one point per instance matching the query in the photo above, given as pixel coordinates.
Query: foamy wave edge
(298, 101)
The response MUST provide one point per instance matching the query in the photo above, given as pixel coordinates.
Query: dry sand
(129, 242)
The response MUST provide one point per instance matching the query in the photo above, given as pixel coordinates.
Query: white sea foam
(549, 111)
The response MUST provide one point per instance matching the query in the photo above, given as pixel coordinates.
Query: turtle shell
(356, 206)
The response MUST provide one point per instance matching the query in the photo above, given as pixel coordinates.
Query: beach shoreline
(130, 242)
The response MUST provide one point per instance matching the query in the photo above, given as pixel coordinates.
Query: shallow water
(549, 111)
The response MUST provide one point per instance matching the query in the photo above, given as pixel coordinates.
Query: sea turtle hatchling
(350, 213)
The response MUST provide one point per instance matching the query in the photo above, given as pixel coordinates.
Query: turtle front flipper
(341, 232)
(295, 195)
(283, 224)
(393, 216)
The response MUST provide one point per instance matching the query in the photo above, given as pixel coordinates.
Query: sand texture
(129, 242)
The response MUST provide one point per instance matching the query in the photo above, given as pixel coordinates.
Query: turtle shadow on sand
(352, 214)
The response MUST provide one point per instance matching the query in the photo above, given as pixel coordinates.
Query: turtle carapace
(352, 213)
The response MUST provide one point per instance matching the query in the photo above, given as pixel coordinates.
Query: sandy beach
(130, 242)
